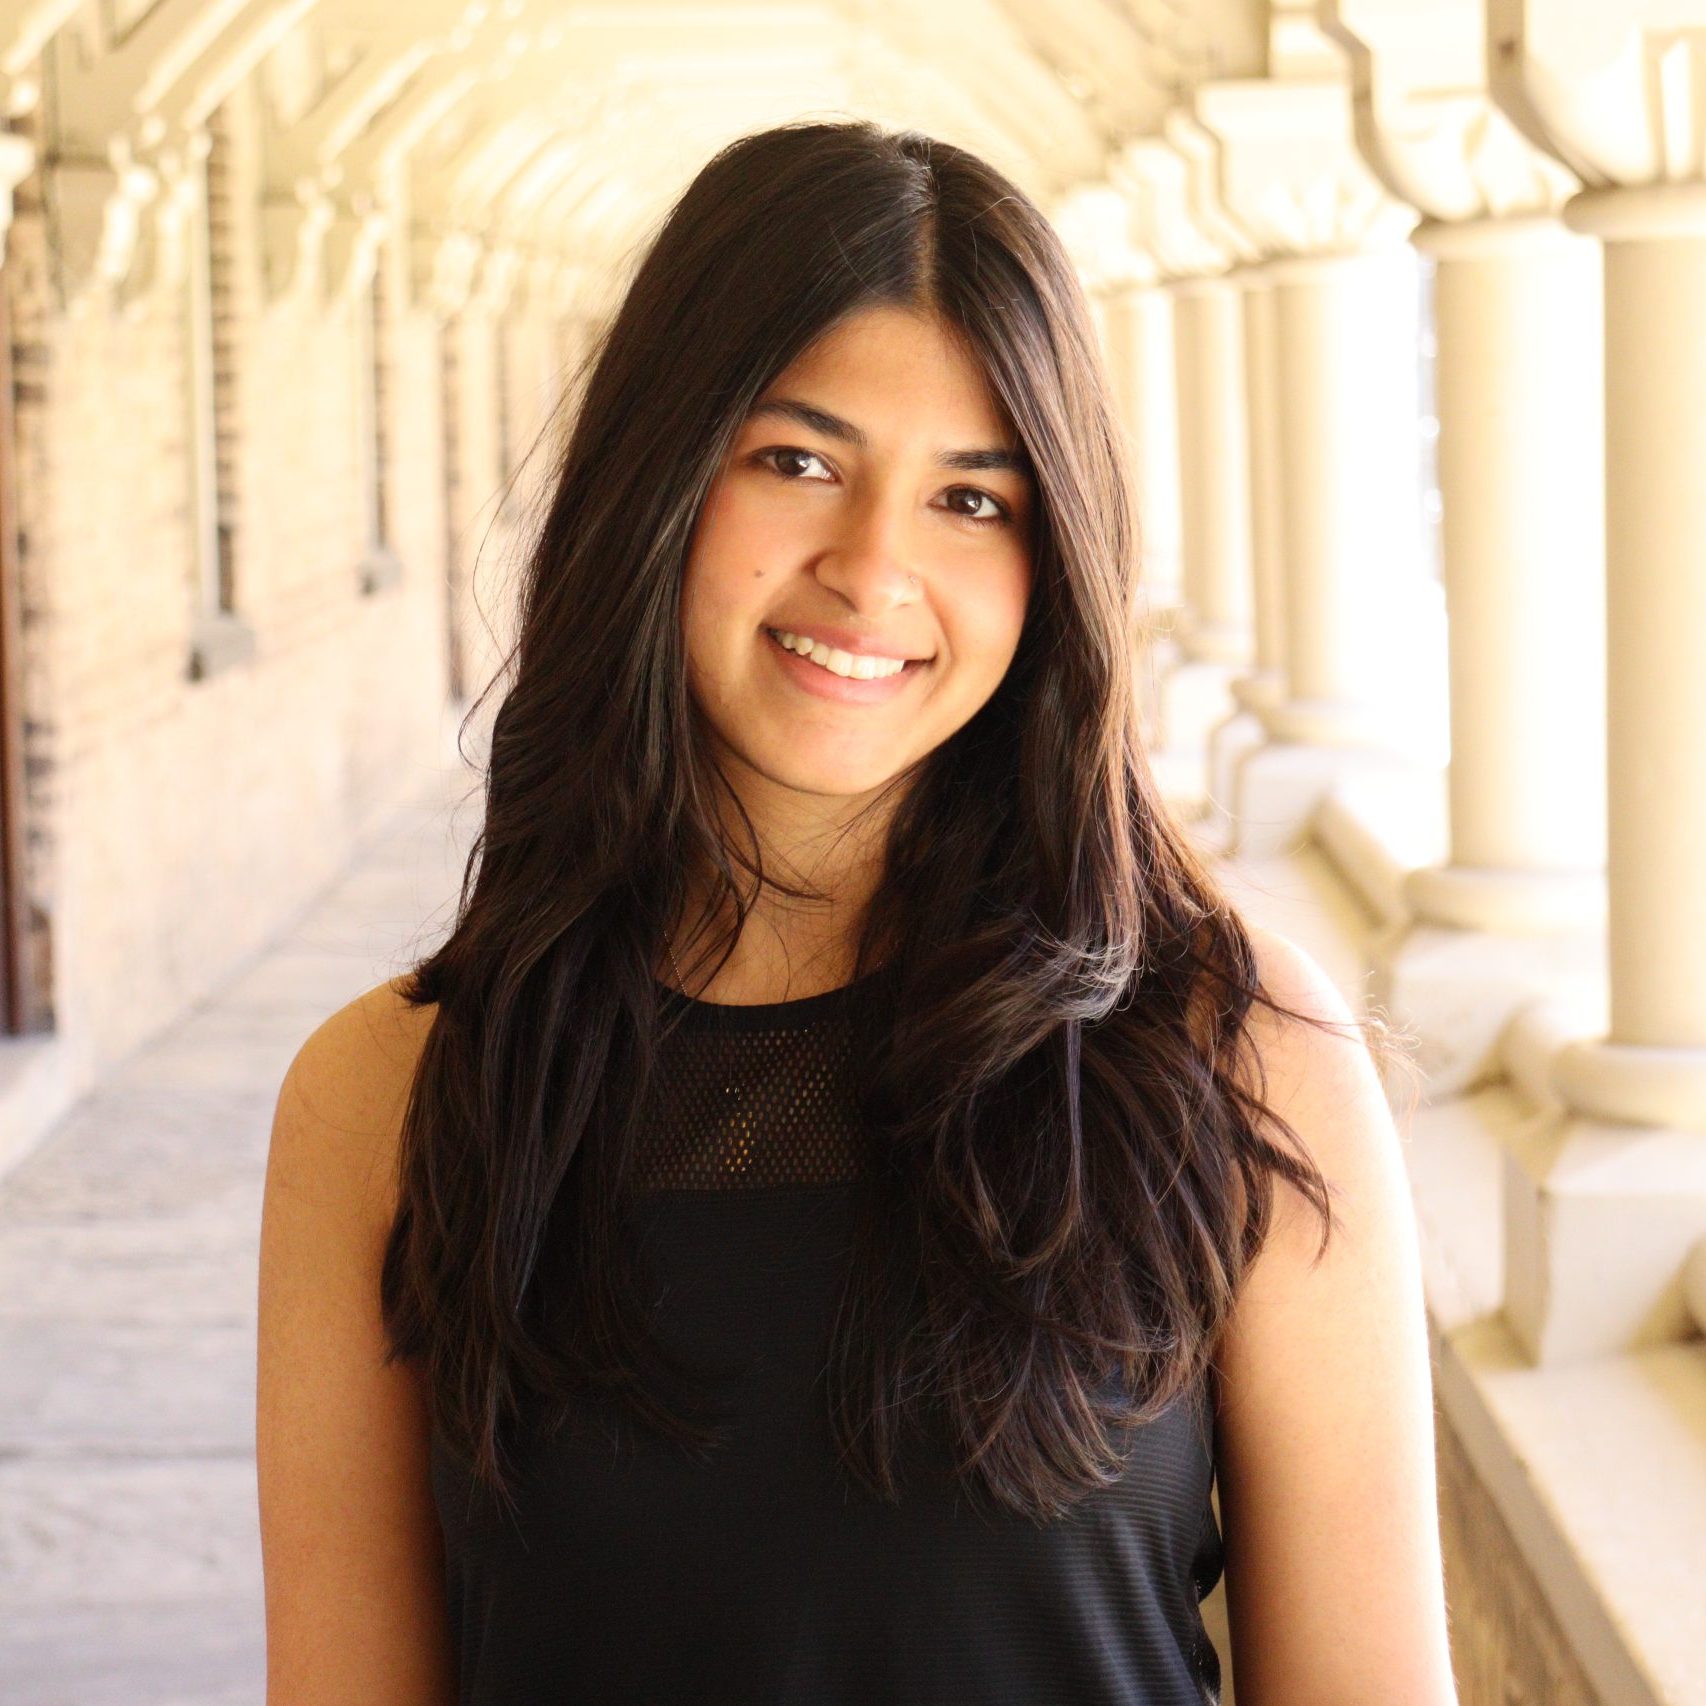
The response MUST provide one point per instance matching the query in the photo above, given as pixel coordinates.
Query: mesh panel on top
(754, 1096)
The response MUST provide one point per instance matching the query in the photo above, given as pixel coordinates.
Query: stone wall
(175, 824)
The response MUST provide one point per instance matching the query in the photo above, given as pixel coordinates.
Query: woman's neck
(789, 947)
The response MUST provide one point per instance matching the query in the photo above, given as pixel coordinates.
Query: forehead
(900, 375)
(908, 355)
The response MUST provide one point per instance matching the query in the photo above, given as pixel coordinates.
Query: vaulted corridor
(1405, 305)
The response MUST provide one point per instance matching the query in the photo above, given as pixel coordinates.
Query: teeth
(861, 668)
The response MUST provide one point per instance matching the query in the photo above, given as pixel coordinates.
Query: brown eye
(784, 459)
(1001, 512)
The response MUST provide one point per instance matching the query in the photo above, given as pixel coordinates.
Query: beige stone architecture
(1405, 305)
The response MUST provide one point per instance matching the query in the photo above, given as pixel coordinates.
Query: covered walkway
(129, 1547)
(1405, 302)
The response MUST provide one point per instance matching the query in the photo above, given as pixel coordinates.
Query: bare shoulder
(1324, 1439)
(1296, 1051)
(350, 1542)
(343, 1095)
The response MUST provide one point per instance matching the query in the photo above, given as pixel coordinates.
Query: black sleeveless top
(765, 1576)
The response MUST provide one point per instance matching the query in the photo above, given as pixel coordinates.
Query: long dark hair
(1067, 1173)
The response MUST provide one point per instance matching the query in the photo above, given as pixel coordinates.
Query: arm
(350, 1542)
(1325, 1443)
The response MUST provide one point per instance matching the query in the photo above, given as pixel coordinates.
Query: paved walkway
(130, 1569)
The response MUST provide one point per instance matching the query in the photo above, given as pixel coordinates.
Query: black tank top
(765, 1576)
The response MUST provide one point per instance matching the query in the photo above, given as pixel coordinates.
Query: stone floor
(129, 1545)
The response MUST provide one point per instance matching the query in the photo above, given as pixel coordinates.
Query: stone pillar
(1212, 638)
(1344, 300)
(1345, 337)
(1515, 905)
(1212, 633)
(1264, 685)
(1519, 902)
(1139, 325)
(1655, 365)
(1140, 329)
(1214, 472)
(1344, 341)
(1606, 1198)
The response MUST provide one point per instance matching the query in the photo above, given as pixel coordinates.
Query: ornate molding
(351, 248)
(1094, 221)
(293, 244)
(499, 266)
(103, 225)
(1616, 93)
(1155, 179)
(1290, 172)
(1422, 117)
(1200, 151)
(442, 269)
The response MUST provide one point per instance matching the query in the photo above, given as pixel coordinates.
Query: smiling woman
(804, 1236)
(859, 543)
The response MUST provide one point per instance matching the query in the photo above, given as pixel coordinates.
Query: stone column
(1214, 634)
(1214, 471)
(1651, 1064)
(1139, 324)
(1519, 902)
(1140, 332)
(1605, 1200)
(1264, 686)
(1344, 298)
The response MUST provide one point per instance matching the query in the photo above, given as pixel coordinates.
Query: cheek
(736, 551)
(991, 622)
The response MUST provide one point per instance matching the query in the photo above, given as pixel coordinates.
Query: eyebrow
(993, 457)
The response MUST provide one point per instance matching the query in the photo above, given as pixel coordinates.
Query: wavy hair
(1068, 1172)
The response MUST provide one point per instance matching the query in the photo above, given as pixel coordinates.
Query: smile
(841, 677)
(861, 667)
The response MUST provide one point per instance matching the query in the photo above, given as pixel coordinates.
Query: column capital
(442, 269)
(17, 161)
(499, 264)
(1290, 173)
(293, 241)
(1200, 150)
(1615, 93)
(1423, 119)
(1155, 178)
(352, 251)
(1475, 239)
(102, 222)
(1094, 221)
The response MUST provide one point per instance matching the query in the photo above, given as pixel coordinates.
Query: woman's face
(875, 507)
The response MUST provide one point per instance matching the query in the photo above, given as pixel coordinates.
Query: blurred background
(1405, 304)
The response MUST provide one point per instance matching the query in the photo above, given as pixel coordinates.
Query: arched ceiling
(563, 127)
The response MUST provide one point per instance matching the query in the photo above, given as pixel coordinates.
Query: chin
(840, 781)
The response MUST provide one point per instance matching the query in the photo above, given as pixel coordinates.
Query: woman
(847, 1184)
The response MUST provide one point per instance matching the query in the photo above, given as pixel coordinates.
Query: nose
(870, 564)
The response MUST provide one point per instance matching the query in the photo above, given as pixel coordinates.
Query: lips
(822, 682)
(851, 641)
